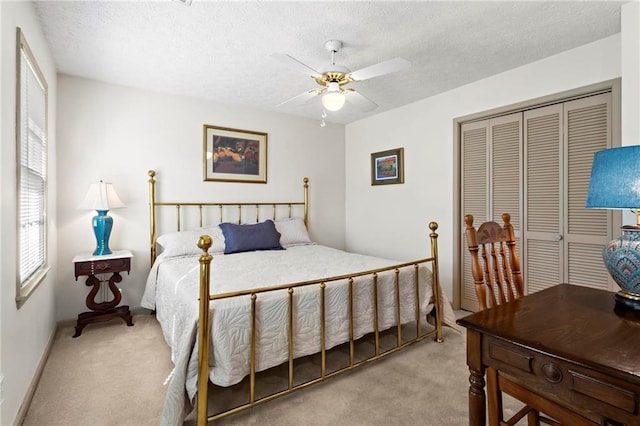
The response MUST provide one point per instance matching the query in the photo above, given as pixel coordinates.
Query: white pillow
(185, 243)
(293, 232)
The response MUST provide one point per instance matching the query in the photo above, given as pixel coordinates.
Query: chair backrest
(497, 277)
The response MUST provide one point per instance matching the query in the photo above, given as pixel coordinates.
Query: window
(31, 149)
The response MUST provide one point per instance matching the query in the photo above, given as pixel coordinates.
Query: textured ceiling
(221, 50)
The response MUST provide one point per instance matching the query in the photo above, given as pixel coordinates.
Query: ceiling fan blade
(360, 101)
(290, 60)
(302, 97)
(386, 67)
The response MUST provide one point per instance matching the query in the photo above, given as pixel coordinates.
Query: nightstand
(89, 265)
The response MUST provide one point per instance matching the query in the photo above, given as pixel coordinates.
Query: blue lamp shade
(615, 179)
(101, 197)
(615, 184)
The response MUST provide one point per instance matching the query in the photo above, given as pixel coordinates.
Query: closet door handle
(558, 237)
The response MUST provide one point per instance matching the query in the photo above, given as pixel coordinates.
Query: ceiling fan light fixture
(333, 101)
(333, 79)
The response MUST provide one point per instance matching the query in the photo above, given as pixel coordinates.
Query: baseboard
(24, 407)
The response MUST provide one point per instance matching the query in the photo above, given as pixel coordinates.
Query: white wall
(117, 134)
(400, 213)
(25, 332)
(630, 46)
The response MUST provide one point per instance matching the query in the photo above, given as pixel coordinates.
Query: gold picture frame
(234, 155)
(387, 167)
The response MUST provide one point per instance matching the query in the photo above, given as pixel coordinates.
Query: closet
(535, 164)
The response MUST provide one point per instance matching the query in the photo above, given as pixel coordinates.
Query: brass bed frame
(205, 298)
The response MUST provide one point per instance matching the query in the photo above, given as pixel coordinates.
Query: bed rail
(204, 244)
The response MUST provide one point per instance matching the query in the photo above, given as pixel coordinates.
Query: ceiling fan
(333, 78)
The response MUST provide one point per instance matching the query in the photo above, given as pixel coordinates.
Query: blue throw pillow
(259, 236)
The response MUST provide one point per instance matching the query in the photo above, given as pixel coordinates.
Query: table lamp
(615, 184)
(102, 198)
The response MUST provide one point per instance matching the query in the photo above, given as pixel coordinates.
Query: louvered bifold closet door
(506, 172)
(475, 194)
(587, 130)
(492, 179)
(543, 199)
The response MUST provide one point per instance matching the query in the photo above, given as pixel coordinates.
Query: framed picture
(387, 167)
(232, 155)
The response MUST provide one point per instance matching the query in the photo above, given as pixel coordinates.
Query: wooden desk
(564, 343)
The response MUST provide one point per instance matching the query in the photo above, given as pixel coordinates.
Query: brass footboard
(204, 326)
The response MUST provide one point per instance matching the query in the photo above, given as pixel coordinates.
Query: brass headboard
(153, 205)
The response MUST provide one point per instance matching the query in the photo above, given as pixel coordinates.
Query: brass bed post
(204, 243)
(323, 345)
(290, 291)
(398, 320)
(252, 361)
(375, 314)
(306, 202)
(152, 214)
(416, 283)
(352, 349)
(436, 280)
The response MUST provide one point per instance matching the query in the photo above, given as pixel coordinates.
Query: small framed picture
(233, 155)
(387, 167)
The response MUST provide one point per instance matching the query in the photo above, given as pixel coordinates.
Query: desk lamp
(102, 198)
(615, 184)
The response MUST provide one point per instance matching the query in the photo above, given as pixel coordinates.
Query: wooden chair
(498, 279)
(495, 266)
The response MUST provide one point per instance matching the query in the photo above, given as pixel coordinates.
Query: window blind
(32, 170)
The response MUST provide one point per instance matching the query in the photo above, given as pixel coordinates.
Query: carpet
(116, 375)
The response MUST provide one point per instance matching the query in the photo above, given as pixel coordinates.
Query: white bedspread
(172, 291)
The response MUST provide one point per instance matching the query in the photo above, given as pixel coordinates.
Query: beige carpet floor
(116, 375)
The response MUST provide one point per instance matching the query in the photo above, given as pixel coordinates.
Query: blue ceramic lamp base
(622, 258)
(102, 224)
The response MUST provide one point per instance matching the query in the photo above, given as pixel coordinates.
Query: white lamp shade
(101, 196)
(333, 101)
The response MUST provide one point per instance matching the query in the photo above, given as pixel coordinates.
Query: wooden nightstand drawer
(106, 266)
(593, 393)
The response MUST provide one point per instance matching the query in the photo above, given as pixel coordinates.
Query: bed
(242, 290)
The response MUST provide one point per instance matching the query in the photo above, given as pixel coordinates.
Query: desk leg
(477, 398)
